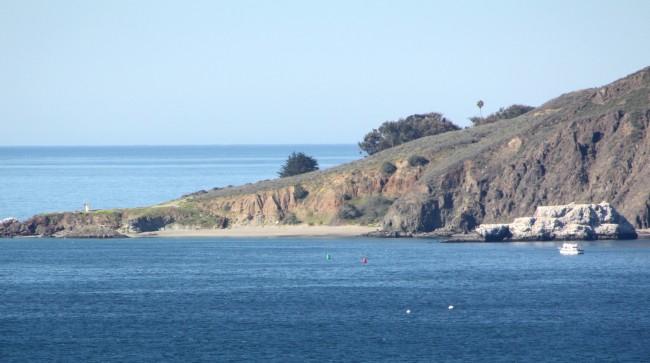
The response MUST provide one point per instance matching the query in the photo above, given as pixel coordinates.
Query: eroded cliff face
(325, 198)
(589, 159)
(585, 147)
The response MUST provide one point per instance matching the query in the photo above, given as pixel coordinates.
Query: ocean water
(279, 299)
(46, 179)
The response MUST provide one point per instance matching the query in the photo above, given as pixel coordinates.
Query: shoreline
(304, 230)
(643, 233)
(263, 231)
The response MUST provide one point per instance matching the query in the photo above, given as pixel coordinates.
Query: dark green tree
(393, 133)
(388, 168)
(299, 192)
(417, 160)
(298, 163)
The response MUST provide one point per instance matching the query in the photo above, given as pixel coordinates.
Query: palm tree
(480, 104)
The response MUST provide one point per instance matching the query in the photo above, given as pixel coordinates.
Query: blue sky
(273, 72)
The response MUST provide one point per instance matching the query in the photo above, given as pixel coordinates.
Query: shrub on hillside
(372, 208)
(348, 211)
(393, 133)
(290, 218)
(298, 163)
(417, 160)
(388, 168)
(299, 192)
(503, 114)
(365, 210)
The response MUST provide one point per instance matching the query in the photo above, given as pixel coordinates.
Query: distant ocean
(47, 179)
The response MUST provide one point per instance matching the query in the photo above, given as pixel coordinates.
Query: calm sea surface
(45, 179)
(279, 299)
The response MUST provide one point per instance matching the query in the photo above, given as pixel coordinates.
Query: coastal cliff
(584, 146)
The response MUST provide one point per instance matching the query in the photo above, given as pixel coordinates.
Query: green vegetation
(299, 192)
(388, 168)
(366, 210)
(298, 163)
(105, 212)
(154, 218)
(313, 219)
(290, 218)
(393, 133)
(503, 114)
(417, 160)
(349, 211)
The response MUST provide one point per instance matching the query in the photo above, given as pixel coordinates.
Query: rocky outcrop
(563, 222)
(414, 214)
(110, 224)
(64, 224)
(9, 227)
(89, 231)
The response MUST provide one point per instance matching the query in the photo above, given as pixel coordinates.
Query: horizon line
(156, 145)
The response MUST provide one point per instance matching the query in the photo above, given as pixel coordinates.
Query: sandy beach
(301, 230)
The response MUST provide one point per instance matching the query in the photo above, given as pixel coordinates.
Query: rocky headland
(584, 147)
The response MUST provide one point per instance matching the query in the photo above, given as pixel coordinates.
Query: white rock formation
(8, 220)
(563, 222)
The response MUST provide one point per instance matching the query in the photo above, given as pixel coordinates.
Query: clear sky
(247, 72)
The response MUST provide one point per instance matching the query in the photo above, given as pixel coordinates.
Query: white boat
(571, 249)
